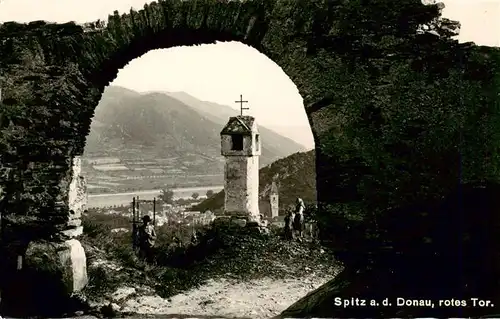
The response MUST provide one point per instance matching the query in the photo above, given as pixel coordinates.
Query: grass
(222, 251)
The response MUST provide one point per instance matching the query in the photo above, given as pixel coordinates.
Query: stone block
(252, 224)
(122, 293)
(63, 263)
(239, 221)
(74, 223)
(75, 214)
(77, 166)
(77, 193)
(258, 227)
(72, 232)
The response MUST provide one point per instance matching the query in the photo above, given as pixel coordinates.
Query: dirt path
(263, 298)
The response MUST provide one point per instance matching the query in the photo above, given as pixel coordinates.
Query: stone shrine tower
(274, 200)
(240, 145)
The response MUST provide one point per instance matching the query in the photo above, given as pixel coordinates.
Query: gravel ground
(222, 298)
(263, 298)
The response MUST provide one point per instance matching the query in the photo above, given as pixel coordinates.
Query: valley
(114, 175)
(157, 140)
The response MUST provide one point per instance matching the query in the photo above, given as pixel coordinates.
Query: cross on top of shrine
(241, 104)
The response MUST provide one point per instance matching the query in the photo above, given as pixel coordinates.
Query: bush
(276, 231)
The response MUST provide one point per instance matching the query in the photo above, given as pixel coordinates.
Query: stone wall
(400, 118)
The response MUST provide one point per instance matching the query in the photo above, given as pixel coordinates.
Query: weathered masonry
(241, 146)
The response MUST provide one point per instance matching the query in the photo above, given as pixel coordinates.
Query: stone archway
(53, 76)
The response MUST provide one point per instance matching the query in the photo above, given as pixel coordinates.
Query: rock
(50, 275)
(119, 230)
(72, 232)
(73, 223)
(64, 262)
(97, 304)
(258, 228)
(110, 310)
(122, 293)
(239, 221)
(264, 230)
(107, 264)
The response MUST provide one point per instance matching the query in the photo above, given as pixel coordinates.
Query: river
(106, 200)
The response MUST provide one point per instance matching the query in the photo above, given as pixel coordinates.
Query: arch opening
(154, 119)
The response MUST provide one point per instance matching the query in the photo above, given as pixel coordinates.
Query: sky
(221, 72)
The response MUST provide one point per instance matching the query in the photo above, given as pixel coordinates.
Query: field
(110, 167)
(123, 184)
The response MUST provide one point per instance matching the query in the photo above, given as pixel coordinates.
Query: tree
(167, 196)
(210, 193)
(195, 195)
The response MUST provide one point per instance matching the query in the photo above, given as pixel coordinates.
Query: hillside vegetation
(294, 175)
(222, 252)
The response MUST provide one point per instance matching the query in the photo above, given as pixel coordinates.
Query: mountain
(276, 144)
(299, 133)
(294, 175)
(156, 124)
